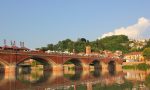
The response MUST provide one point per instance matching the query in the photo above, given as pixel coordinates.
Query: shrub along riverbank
(142, 66)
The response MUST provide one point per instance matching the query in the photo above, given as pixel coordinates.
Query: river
(76, 80)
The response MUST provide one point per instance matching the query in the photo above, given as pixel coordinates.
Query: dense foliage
(148, 44)
(141, 66)
(146, 53)
(147, 81)
(112, 43)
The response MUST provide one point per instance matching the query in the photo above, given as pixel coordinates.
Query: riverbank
(136, 65)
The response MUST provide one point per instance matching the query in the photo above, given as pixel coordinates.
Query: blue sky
(39, 22)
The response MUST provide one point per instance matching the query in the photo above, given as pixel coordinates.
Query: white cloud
(133, 31)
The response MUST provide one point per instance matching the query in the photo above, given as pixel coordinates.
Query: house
(118, 54)
(134, 57)
(5, 47)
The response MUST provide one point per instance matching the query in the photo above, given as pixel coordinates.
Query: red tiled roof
(24, 48)
(133, 53)
(6, 47)
(15, 47)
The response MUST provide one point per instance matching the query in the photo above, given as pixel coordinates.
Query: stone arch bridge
(10, 59)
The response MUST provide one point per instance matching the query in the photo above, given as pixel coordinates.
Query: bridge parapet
(15, 57)
(47, 54)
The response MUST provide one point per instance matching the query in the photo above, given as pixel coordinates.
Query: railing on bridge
(44, 53)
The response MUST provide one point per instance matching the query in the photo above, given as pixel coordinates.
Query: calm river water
(76, 80)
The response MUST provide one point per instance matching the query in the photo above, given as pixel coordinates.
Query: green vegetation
(112, 43)
(141, 66)
(129, 67)
(147, 81)
(126, 85)
(146, 53)
(79, 87)
(35, 63)
(148, 44)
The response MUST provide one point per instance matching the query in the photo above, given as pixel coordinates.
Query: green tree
(115, 42)
(146, 53)
(112, 43)
(97, 45)
(44, 48)
(80, 46)
(50, 47)
(83, 40)
(148, 44)
(65, 45)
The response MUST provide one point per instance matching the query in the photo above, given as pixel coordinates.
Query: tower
(88, 49)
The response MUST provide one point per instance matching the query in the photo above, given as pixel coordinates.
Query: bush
(141, 66)
(129, 67)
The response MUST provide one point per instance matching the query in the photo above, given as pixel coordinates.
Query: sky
(40, 22)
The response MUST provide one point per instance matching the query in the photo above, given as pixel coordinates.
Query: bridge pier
(118, 67)
(10, 69)
(57, 67)
(104, 68)
(86, 67)
(10, 72)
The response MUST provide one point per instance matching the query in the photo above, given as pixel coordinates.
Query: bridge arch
(46, 62)
(77, 63)
(3, 65)
(78, 67)
(3, 62)
(112, 67)
(96, 63)
(37, 77)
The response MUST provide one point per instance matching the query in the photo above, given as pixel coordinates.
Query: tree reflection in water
(74, 77)
(96, 73)
(147, 81)
(2, 76)
(34, 77)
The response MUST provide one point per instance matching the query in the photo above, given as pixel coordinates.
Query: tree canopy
(146, 53)
(112, 43)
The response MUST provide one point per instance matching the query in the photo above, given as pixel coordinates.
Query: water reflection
(73, 76)
(1, 76)
(33, 76)
(76, 80)
(96, 73)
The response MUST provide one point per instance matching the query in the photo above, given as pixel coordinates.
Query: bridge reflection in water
(75, 80)
(46, 80)
(96, 79)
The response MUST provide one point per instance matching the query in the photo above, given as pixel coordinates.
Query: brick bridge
(10, 59)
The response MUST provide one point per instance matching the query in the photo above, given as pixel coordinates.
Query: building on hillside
(137, 44)
(134, 57)
(13, 48)
(118, 54)
(5, 47)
